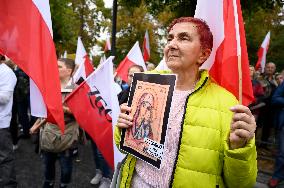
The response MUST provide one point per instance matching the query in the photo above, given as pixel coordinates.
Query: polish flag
(107, 45)
(228, 62)
(262, 53)
(65, 54)
(146, 47)
(133, 57)
(162, 65)
(26, 38)
(103, 59)
(83, 61)
(95, 106)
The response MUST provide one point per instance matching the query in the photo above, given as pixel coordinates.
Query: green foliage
(257, 24)
(132, 23)
(275, 53)
(178, 7)
(65, 25)
(135, 16)
(88, 18)
(73, 18)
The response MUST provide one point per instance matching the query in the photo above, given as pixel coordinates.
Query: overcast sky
(108, 3)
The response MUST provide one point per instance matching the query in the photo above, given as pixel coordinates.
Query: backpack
(22, 87)
(51, 139)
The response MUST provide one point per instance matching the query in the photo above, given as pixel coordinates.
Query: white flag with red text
(262, 53)
(146, 47)
(83, 61)
(26, 38)
(95, 106)
(224, 18)
(134, 57)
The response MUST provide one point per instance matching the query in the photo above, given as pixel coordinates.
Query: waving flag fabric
(107, 45)
(83, 61)
(162, 65)
(262, 53)
(26, 38)
(146, 47)
(95, 106)
(102, 60)
(134, 57)
(65, 54)
(224, 18)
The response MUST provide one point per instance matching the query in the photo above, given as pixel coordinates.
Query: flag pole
(113, 37)
(240, 79)
(239, 51)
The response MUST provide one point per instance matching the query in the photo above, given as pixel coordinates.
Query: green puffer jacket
(204, 159)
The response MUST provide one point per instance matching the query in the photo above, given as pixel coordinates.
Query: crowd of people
(216, 151)
(267, 109)
(18, 123)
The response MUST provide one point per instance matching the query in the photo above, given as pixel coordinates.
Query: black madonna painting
(150, 98)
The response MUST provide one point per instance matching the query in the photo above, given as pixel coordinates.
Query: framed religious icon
(150, 99)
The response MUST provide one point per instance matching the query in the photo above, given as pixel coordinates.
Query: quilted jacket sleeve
(240, 166)
(117, 136)
(278, 96)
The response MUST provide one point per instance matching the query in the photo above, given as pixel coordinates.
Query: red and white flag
(133, 57)
(28, 42)
(103, 59)
(162, 65)
(146, 47)
(65, 54)
(95, 106)
(83, 61)
(107, 45)
(229, 45)
(262, 53)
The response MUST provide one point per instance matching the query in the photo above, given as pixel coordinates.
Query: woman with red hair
(210, 139)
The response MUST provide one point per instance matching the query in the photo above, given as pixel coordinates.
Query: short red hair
(203, 30)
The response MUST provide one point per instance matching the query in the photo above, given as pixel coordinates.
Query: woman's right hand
(124, 120)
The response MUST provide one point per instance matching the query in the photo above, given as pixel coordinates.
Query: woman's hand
(33, 129)
(242, 126)
(124, 120)
(66, 110)
(39, 122)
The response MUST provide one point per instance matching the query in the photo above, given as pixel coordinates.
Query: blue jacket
(277, 101)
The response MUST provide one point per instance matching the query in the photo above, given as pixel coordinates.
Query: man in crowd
(123, 95)
(7, 84)
(61, 148)
(22, 96)
(277, 101)
(265, 119)
(150, 66)
(279, 78)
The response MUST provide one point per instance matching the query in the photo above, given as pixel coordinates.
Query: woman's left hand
(242, 126)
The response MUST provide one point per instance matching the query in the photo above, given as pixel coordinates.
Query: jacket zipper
(180, 134)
